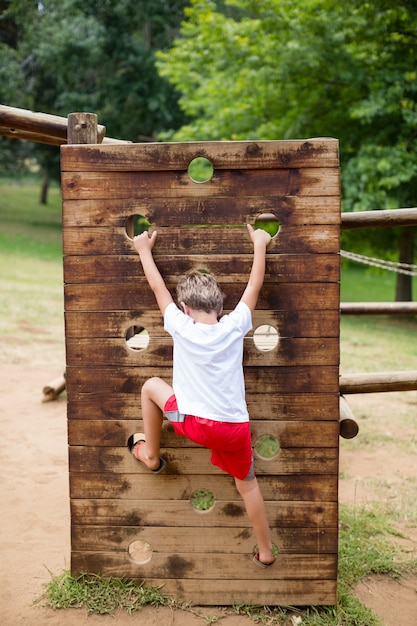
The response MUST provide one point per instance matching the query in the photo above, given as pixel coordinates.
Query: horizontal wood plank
(184, 461)
(290, 434)
(320, 296)
(308, 182)
(288, 352)
(201, 566)
(321, 239)
(179, 212)
(123, 486)
(225, 154)
(173, 539)
(238, 592)
(290, 380)
(112, 324)
(101, 405)
(161, 513)
(292, 268)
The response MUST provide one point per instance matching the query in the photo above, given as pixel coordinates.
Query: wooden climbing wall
(292, 390)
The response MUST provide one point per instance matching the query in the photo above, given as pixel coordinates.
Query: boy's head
(201, 292)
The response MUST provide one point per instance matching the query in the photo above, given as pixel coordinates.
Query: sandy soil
(34, 532)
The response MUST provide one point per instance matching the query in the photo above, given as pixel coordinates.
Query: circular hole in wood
(267, 447)
(136, 225)
(268, 222)
(137, 338)
(200, 170)
(140, 551)
(202, 500)
(265, 337)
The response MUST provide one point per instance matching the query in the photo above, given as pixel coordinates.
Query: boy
(206, 402)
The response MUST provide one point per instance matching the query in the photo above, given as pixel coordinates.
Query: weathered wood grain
(288, 352)
(290, 434)
(179, 212)
(160, 513)
(323, 239)
(292, 268)
(172, 539)
(183, 461)
(232, 154)
(286, 182)
(137, 296)
(195, 566)
(291, 380)
(97, 485)
(102, 405)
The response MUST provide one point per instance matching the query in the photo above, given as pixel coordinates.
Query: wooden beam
(379, 219)
(41, 127)
(378, 382)
(348, 425)
(378, 308)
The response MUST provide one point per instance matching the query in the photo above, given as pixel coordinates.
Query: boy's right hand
(145, 242)
(258, 235)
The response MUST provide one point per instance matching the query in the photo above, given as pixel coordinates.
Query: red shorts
(230, 443)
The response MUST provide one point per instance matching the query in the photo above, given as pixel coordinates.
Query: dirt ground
(35, 520)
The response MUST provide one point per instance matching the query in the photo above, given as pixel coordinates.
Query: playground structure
(127, 522)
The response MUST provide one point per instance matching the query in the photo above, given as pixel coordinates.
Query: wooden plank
(173, 539)
(184, 461)
(107, 324)
(109, 512)
(137, 297)
(201, 566)
(97, 485)
(225, 154)
(294, 268)
(291, 380)
(101, 405)
(237, 592)
(321, 239)
(286, 182)
(290, 434)
(179, 212)
(289, 352)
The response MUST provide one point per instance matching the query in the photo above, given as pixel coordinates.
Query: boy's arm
(260, 239)
(144, 244)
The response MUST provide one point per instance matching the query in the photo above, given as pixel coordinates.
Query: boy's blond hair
(201, 292)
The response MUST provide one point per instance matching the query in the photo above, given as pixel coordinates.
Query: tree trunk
(404, 287)
(43, 198)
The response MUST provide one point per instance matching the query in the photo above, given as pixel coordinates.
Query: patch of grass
(365, 547)
(28, 228)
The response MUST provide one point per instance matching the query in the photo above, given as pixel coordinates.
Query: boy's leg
(255, 508)
(154, 394)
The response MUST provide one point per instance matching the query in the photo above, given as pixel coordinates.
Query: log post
(348, 425)
(82, 128)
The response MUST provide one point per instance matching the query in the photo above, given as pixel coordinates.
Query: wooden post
(348, 425)
(378, 308)
(82, 128)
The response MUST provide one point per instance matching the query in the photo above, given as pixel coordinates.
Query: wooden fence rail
(41, 127)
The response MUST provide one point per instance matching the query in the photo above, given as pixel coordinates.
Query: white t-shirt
(208, 372)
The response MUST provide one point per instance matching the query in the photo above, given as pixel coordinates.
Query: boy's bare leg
(255, 509)
(154, 394)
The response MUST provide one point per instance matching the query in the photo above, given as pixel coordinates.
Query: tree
(302, 68)
(95, 55)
